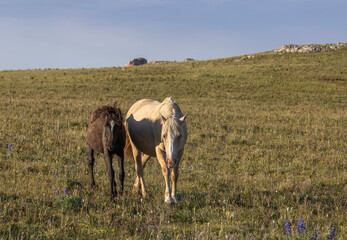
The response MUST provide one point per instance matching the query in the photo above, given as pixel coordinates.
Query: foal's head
(172, 136)
(112, 129)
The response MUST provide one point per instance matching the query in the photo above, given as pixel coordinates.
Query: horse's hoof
(174, 198)
(169, 200)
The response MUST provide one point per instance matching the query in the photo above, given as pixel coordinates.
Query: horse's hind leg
(91, 161)
(139, 172)
(145, 158)
(121, 173)
(110, 172)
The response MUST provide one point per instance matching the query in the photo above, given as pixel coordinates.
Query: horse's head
(172, 136)
(111, 132)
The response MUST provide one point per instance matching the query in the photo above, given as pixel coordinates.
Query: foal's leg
(121, 173)
(139, 172)
(166, 174)
(174, 178)
(145, 158)
(110, 172)
(91, 161)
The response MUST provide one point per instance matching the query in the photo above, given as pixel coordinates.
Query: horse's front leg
(110, 172)
(174, 178)
(91, 161)
(121, 173)
(166, 174)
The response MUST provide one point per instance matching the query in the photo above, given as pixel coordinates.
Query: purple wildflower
(57, 193)
(9, 147)
(315, 235)
(57, 173)
(65, 190)
(287, 228)
(332, 233)
(301, 226)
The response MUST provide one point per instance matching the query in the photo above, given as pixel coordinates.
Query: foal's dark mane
(108, 112)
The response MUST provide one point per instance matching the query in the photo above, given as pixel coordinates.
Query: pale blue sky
(105, 33)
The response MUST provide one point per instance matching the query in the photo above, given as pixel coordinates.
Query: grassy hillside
(267, 143)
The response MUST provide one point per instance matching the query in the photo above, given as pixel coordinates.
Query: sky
(109, 33)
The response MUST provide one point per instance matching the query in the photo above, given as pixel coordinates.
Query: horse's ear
(162, 117)
(182, 119)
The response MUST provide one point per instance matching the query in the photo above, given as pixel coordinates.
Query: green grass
(267, 142)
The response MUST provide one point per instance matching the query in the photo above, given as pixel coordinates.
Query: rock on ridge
(136, 62)
(309, 48)
(189, 60)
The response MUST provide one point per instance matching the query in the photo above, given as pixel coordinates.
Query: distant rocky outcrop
(289, 48)
(245, 57)
(309, 48)
(165, 61)
(161, 61)
(189, 60)
(136, 62)
(294, 48)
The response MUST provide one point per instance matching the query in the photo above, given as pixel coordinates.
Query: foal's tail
(128, 152)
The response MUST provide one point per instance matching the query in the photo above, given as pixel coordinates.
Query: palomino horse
(106, 134)
(156, 129)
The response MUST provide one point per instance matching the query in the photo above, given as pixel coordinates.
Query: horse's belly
(142, 137)
(149, 150)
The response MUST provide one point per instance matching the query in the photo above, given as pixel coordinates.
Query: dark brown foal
(106, 134)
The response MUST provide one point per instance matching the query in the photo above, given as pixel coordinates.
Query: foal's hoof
(113, 195)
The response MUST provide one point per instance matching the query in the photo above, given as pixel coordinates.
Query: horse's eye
(164, 136)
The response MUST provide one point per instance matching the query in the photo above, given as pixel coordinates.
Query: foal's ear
(183, 119)
(162, 117)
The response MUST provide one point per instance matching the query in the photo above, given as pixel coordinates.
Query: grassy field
(267, 143)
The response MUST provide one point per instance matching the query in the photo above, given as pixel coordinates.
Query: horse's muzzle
(171, 163)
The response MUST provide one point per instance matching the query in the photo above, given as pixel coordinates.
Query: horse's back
(143, 108)
(148, 108)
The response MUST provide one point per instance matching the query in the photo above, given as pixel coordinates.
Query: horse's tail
(128, 152)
